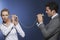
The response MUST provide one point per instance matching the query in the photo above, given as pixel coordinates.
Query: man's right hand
(40, 18)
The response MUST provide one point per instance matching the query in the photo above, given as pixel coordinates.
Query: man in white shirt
(10, 27)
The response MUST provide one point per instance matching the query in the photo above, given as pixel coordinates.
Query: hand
(14, 20)
(40, 18)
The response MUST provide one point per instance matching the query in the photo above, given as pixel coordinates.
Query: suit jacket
(51, 30)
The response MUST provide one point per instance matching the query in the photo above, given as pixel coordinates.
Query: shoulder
(1, 25)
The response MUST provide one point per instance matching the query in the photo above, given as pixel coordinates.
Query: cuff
(39, 23)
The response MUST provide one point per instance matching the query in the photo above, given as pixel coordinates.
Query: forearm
(44, 30)
(51, 30)
(19, 29)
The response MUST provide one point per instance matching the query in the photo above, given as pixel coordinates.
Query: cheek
(2, 17)
(6, 17)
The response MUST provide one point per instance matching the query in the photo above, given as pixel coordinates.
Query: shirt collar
(54, 15)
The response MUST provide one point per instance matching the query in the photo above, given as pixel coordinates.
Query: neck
(7, 22)
(54, 13)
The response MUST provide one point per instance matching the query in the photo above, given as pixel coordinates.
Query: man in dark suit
(51, 30)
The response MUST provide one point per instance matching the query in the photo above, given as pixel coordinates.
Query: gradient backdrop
(27, 10)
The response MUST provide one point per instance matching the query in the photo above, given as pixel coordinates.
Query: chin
(4, 21)
(49, 15)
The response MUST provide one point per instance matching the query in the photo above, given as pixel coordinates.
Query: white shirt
(13, 34)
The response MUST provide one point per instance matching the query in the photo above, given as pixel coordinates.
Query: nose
(46, 11)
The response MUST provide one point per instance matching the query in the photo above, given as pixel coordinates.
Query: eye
(2, 15)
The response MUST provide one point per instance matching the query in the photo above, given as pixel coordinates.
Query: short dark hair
(5, 9)
(52, 6)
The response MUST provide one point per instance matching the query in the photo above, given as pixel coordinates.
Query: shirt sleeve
(19, 30)
(53, 27)
(39, 23)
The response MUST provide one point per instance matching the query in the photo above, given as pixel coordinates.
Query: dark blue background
(27, 10)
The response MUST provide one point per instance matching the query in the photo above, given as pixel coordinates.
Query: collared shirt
(54, 15)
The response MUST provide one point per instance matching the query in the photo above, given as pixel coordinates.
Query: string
(26, 26)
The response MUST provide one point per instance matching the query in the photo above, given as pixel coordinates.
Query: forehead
(47, 8)
(5, 12)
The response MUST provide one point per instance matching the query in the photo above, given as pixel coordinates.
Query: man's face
(5, 15)
(48, 11)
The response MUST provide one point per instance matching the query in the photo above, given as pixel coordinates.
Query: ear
(53, 11)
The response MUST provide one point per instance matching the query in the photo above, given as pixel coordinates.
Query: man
(51, 30)
(10, 27)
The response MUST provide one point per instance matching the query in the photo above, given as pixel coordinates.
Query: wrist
(39, 23)
(15, 23)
